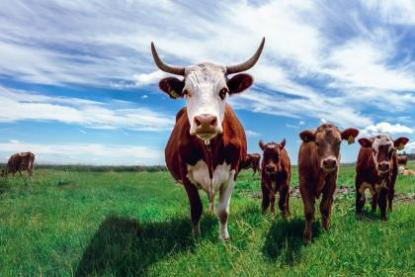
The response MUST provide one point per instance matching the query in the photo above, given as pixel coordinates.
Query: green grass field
(64, 223)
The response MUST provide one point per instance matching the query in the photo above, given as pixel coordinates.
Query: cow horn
(163, 66)
(247, 64)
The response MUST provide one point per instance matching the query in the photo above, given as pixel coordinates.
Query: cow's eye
(222, 93)
(186, 93)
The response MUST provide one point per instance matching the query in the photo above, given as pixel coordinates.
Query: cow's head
(383, 150)
(327, 139)
(271, 158)
(205, 87)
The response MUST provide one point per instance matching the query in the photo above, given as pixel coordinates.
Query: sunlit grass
(130, 223)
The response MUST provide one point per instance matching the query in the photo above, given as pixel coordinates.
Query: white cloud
(22, 105)
(106, 43)
(251, 133)
(95, 154)
(386, 128)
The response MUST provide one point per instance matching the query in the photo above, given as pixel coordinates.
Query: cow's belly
(198, 175)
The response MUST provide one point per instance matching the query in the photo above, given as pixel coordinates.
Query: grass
(66, 222)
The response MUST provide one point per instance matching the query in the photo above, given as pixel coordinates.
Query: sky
(78, 84)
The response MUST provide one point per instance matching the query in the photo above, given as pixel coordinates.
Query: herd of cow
(207, 149)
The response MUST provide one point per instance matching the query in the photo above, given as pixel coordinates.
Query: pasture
(85, 222)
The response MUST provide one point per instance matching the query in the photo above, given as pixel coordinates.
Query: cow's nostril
(330, 163)
(206, 120)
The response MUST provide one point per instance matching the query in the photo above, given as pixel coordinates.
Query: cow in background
(208, 144)
(376, 170)
(318, 167)
(252, 161)
(20, 162)
(402, 162)
(275, 176)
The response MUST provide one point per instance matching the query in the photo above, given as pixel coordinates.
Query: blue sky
(78, 84)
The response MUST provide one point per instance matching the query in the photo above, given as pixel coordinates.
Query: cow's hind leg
(225, 194)
(195, 206)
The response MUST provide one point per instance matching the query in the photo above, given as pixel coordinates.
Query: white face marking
(379, 141)
(203, 83)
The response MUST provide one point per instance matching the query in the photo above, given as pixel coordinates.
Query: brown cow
(318, 165)
(276, 176)
(20, 161)
(252, 161)
(376, 170)
(402, 162)
(208, 143)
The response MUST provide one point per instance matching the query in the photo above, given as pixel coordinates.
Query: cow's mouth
(206, 134)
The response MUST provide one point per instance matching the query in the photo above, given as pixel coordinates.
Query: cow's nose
(269, 168)
(206, 120)
(384, 166)
(329, 163)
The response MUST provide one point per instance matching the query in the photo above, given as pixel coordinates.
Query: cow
(275, 176)
(376, 170)
(19, 162)
(207, 145)
(402, 160)
(252, 161)
(318, 166)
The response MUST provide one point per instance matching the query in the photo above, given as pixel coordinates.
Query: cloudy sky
(78, 84)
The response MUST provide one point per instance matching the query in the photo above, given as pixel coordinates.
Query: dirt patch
(342, 192)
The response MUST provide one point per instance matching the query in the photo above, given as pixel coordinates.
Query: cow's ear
(350, 134)
(307, 136)
(172, 86)
(364, 142)
(239, 83)
(261, 145)
(282, 143)
(400, 142)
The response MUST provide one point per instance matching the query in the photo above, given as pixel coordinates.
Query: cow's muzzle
(329, 164)
(206, 126)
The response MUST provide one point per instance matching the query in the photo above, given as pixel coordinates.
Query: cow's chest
(198, 175)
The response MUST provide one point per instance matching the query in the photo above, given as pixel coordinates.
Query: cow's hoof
(224, 238)
(383, 218)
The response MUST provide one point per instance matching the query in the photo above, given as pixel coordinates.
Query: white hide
(222, 180)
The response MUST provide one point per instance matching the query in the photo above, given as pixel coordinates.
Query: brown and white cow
(376, 170)
(19, 162)
(252, 161)
(402, 160)
(208, 143)
(318, 166)
(276, 176)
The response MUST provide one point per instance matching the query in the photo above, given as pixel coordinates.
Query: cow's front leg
(195, 206)
(284, 200)
(382, 201)
(308, 200)
(265, 197)
(325, 209)
(391, 194)
(272, 200)
(225, 193)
